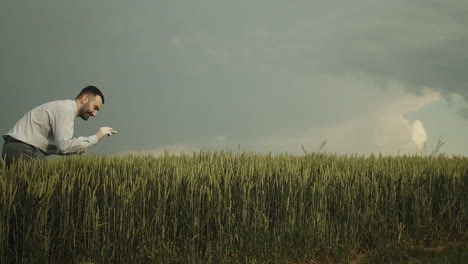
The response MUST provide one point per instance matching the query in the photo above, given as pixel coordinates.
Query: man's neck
(78, 105)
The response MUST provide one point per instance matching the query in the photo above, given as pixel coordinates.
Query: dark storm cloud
(422, 44)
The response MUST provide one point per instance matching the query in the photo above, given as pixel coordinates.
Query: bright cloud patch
(383, 129)
(419, 134)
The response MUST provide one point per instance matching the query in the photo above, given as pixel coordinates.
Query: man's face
(91, 106)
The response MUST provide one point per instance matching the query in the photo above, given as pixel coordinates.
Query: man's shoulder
(57, 106)
(58, 103)
(65, 103)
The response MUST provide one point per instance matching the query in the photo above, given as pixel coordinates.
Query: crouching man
(48, 128)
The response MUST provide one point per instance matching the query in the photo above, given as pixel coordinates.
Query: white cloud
(378, 126)
(419, 134)
(383, 129)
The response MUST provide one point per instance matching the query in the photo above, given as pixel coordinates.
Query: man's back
(37, 126)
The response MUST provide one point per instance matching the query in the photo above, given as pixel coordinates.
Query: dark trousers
(14, 149)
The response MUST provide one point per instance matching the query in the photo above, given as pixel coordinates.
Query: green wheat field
(220, 207)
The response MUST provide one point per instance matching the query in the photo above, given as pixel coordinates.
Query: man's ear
(84, 99)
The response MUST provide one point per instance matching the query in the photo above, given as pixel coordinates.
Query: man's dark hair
(90, 89)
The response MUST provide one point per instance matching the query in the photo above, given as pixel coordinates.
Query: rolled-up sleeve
(74, 145)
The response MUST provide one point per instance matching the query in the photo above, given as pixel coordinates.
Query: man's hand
(103, 131)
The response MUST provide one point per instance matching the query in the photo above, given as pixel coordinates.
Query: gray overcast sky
(265, 75)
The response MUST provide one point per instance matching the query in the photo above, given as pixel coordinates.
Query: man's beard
(83, 113)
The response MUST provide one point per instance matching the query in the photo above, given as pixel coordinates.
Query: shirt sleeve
(62, 124)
